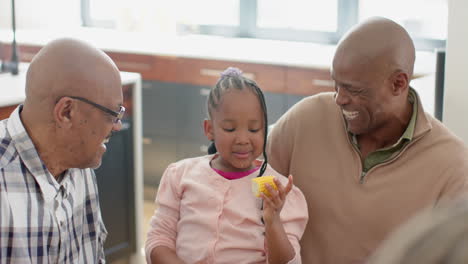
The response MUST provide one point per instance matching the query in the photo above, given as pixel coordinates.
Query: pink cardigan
(203, 216)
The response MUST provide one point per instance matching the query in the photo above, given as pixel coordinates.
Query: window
(301, 20)
(320, 21)
(208, 12)
(425, 20)
(216, 17)
(298, 15)
(98, 13)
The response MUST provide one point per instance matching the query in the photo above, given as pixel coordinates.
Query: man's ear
(63, 112)
(208, 126)
(400, 82)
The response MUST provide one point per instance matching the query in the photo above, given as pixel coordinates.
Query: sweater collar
(423, 124)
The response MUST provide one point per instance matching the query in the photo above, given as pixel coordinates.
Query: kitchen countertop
(12, 86)
(273, 52)
(9, 84)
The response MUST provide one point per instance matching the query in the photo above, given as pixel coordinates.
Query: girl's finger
(266, 201)
(281, 190)
(274, 195)
(289, 185)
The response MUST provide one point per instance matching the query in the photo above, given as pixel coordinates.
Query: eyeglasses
(119, 115)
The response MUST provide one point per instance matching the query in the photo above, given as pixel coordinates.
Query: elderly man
(367, 157)
(49, 206)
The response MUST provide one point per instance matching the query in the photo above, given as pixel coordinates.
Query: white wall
(41, 14)
(456, 70)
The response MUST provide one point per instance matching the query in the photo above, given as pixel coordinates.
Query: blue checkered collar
(31, 159)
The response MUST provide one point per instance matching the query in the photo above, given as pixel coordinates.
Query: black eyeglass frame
(119, 115)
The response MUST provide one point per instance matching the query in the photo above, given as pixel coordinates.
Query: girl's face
(237, 128)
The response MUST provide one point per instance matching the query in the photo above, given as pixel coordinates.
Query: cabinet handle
(147, 141)
(217, 73)
(134, 66)
(204, 148)
(204, 92)
(328, 83)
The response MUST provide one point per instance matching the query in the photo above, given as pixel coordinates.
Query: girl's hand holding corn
(274, 202)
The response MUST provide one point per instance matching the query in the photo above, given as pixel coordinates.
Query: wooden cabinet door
(161, 108)
(115, 179)
(276, 106)
(5, 112)
(158, 152)
(303, 81)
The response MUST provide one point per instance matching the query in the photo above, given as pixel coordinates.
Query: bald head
(73, 96)
(379, 44)
(69, 67)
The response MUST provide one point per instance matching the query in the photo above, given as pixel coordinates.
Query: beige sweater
(347, 219)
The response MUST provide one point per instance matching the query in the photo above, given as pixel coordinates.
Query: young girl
(207, 212)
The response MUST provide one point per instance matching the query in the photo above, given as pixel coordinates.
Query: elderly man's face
(94, 131)
(363, 96)
(94, 119)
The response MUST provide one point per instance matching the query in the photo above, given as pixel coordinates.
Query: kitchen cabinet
(158, 152)
(291, 100)
(276, 106)
(173, 117)
(5, 111)
(206, 72)
(161, 107)
(193, 111)
(116, 187)
(308, 81)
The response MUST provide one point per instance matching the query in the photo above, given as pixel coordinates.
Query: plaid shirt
(42, 220)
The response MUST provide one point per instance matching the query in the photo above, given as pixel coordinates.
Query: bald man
(49, 206)
(366, 157)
